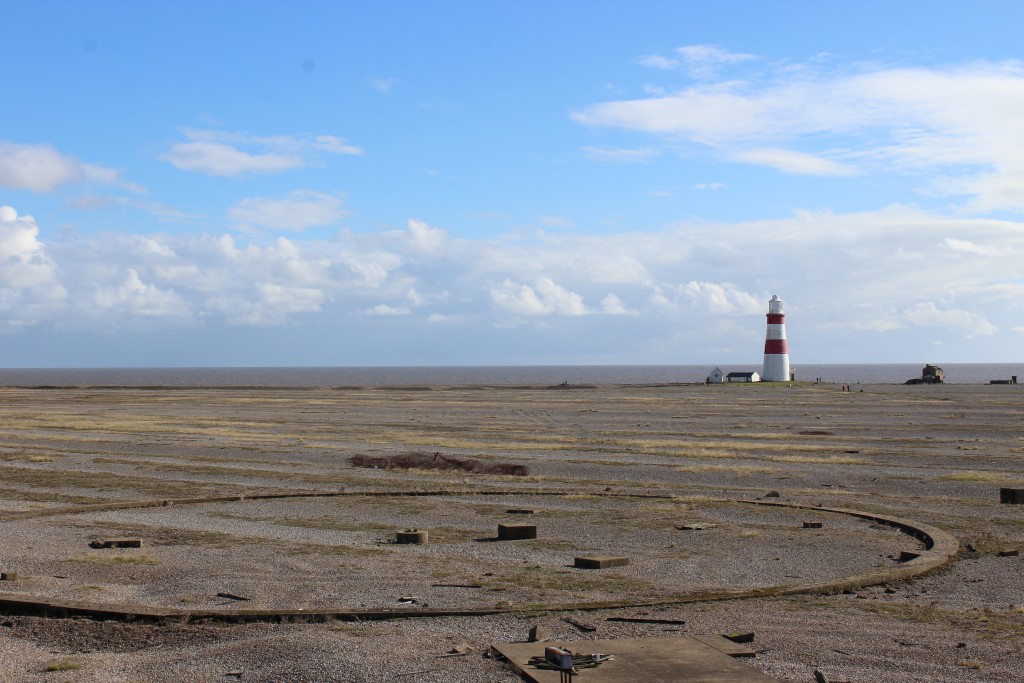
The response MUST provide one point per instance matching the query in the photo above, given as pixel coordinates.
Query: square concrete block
(414, 536)
(1011, 496)
(516, 532)
(600, 562)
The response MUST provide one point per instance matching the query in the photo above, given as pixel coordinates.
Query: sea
(512, 375)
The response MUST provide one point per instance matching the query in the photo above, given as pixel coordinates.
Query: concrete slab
(600, 562)
(516, 532)
(641, 660)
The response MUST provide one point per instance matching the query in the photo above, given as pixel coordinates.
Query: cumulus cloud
(222, 153)
(612, 305)
(298, 211)
(386, 309)
(900, 271)
(41, 168)
(23, 259)
(929, 315)
(716, 298)
(542, 298)
(422, 237)
(136, 298)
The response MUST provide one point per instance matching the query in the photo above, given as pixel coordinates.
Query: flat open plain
(612, 470)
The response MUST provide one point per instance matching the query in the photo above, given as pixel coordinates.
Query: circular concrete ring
(940, 548)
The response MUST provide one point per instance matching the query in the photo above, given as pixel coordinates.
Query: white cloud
(871, 272)
(557, 222)
(929, 315)
(716, 298)
(220, 153)
(385, 309)
(964, 122)
(136, 298)
(425, 238)
(543, 298)
(301, 210)
(612, 305)
(703, 61)
(790, 161)
(659, 62)
(382, 85)
(709, 186)
(23, 259)
(621, 156)
(41, 168)
(968, 247)
(1019, 329)
(214, 158)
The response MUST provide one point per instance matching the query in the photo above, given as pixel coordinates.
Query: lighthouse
(776, 350)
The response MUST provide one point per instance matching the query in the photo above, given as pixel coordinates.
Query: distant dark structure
(930, 374)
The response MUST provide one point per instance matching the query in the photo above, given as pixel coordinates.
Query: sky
(509, 183)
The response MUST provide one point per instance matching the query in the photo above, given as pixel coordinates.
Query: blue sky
(315, 183)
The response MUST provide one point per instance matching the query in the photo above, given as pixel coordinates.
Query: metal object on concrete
(516, 532)
(600, 562)
(1009, 496)
(812, 525)
(645, 660)
(776, 347)
(414, 536)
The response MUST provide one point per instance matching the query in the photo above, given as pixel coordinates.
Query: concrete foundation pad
(643, 660)
(516, 532)
(600, 562)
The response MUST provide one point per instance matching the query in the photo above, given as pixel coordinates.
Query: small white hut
(716, 377)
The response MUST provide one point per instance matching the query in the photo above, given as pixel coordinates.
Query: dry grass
(115, 560)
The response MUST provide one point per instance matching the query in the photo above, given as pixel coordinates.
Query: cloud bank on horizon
(642, 221)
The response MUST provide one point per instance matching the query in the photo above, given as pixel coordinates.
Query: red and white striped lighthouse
(776, 349)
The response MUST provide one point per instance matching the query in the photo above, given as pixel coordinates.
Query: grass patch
(980, 476)
(819, 460)
(114, 560)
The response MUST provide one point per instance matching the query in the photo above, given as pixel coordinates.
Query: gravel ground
(937, 455)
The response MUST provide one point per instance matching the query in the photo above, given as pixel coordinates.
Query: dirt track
(936, 454)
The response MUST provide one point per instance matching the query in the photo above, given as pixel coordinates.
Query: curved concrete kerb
(940, 548)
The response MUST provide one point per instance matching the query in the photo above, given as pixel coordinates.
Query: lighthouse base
(776, 368)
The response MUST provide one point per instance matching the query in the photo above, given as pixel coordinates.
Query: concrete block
(516, 532)
(600, 562)
(812, 525)
(414, 536)
(8, 576)
(116, 543)
(1011, 496)
(539, 634)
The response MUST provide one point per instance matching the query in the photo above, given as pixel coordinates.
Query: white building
(743, 377)
(716, 376)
